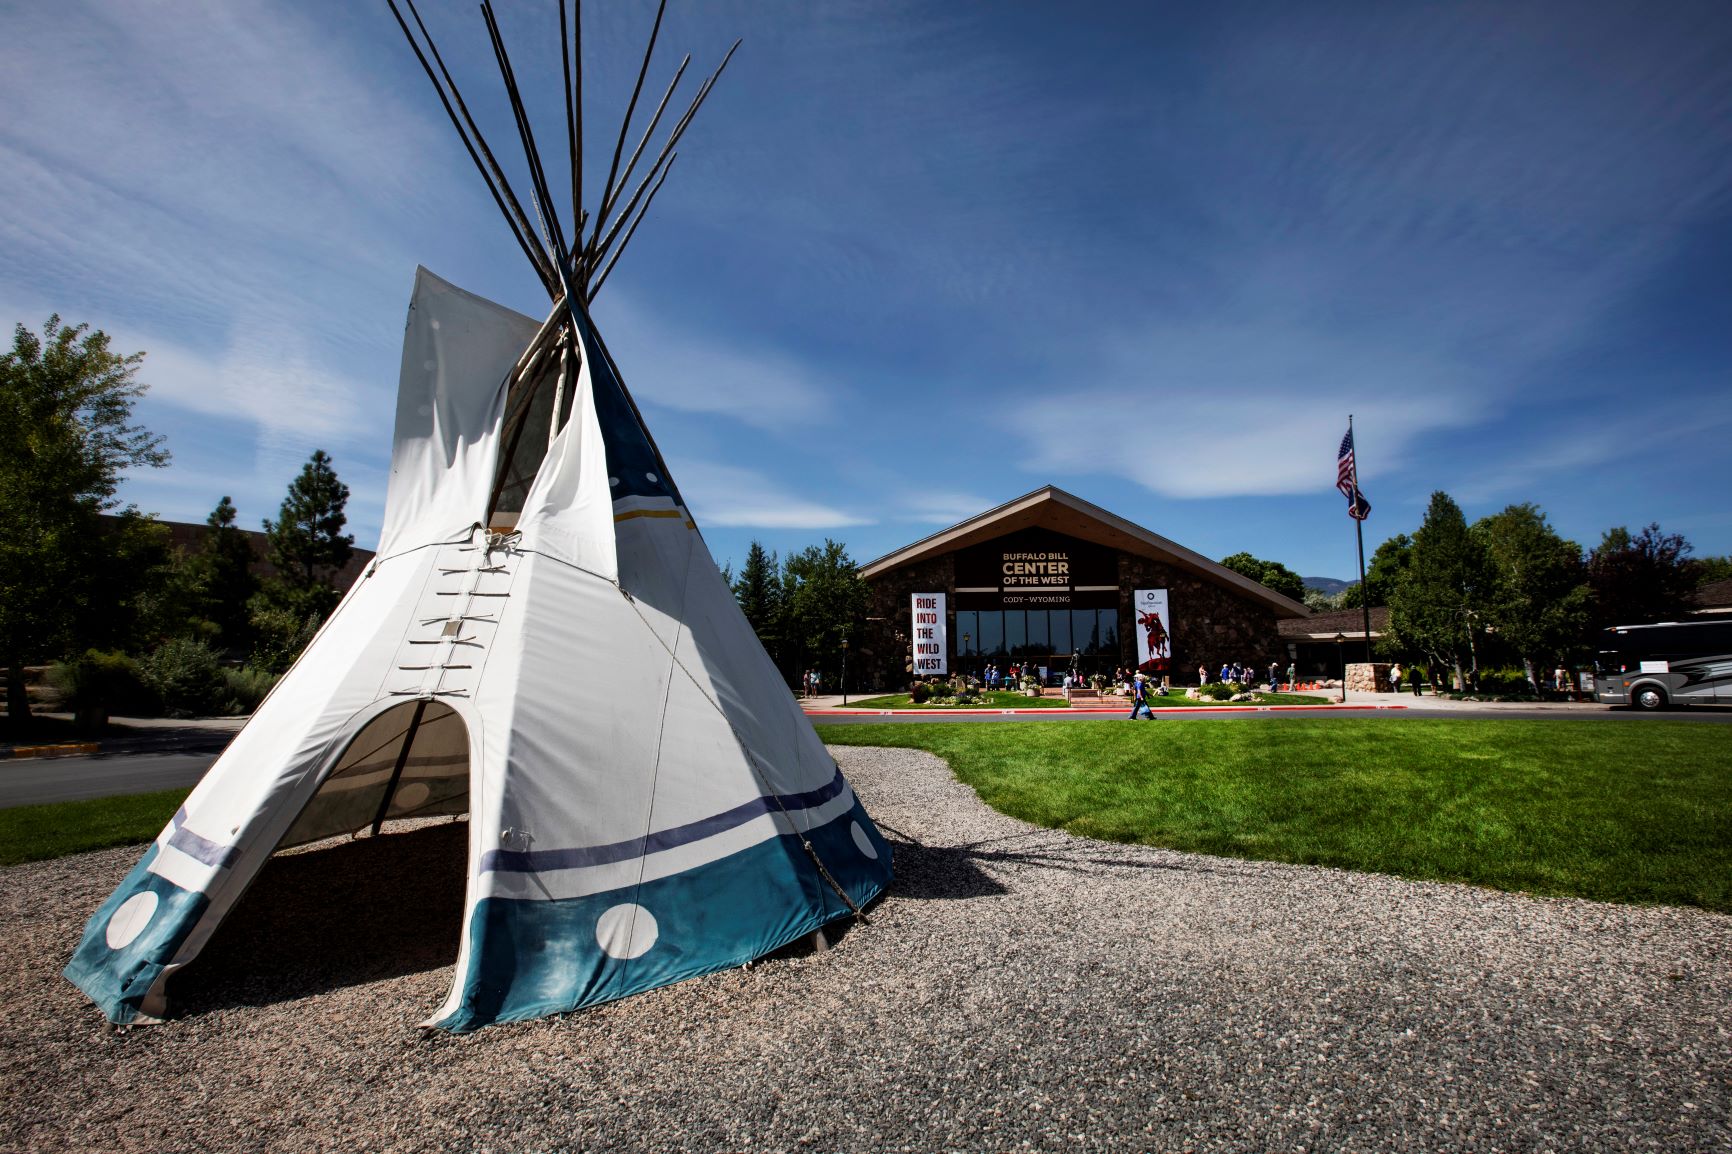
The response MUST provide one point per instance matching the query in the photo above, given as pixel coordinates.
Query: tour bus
(1673, 663)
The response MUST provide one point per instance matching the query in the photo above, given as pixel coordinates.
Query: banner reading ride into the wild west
(1153, 625)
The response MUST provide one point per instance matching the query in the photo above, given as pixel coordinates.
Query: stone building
(1054, 581)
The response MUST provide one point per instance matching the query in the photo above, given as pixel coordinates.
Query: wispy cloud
(731, 496)
(676, 368)
(941, 507)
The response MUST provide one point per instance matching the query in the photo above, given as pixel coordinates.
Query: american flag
(1347, 479)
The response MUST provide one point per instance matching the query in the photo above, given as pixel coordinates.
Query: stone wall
(883, 652)
(1372, 678)
(1212, 625)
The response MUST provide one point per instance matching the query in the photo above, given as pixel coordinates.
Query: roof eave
(938, 542)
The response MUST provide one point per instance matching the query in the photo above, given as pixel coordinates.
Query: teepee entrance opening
(412, 760)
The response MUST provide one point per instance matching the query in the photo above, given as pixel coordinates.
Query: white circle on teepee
(863, 842)
(413, 796)
(651, 478)
(626, 931)
(127, 922)
(613, 482)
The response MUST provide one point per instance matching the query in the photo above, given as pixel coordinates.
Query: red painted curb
(839, 712)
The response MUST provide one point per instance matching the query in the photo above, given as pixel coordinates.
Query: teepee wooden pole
(630, 165)
(642, 212)
(492, 173)
(532, 155)
(598, 249)
(397, 770)
(607, 190)
(503, 197)
(570, 117)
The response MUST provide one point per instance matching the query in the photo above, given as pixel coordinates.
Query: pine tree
(225, 572)
(307, 542)
(758, 589)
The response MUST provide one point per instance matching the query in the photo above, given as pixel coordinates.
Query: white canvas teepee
(647, 802)
(542, 642)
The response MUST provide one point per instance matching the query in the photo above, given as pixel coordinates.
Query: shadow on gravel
(950, 873)
(356, 912)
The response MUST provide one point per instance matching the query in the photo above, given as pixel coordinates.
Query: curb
(1056, 713)
(63, 749)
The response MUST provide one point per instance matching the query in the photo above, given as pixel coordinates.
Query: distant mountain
(1328, 586)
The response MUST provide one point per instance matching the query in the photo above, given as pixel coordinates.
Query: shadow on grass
(342, 915)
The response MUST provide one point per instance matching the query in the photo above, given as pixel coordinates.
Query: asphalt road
(39, 782)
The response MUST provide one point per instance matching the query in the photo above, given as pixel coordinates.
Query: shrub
(100, 684)
(186, 678)
(246, 688)
(1219, 691)
(920, 693)
(1504, 681)
(280, 635)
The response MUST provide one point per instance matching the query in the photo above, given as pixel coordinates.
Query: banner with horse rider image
(1154, 631)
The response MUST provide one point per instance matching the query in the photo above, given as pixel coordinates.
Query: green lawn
(1004, 699)
(37, 832)
(1628, 812)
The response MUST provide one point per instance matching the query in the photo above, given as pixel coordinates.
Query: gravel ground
(1017, 989)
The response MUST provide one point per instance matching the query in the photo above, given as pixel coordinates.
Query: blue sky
(917, 259)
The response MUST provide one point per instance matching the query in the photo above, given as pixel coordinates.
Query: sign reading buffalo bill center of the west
(1036, 568)
(931, 646)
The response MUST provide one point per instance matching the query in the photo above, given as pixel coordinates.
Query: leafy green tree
(1270, 574)
(758, 589)
(1320, 602)
(823, 601)
(66, 437)
(1538, 601)
(223, 568)
(1388, 565)
(1641, 578)
(307, 543)
(1713, 569)
(1439, 607)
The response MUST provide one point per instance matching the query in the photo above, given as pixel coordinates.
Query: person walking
(1140, 697)
(1202, 675)
(1395, 678)
(1292, 677)
(1413, 680)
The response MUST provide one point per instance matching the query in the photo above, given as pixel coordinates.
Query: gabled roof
(1350, 623)
(1714, 597)
(1050, 507)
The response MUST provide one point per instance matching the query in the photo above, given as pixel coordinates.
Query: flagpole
(1359, 533)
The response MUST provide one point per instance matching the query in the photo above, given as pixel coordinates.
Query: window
(1085, 631)
(1109, 626)
(1060, 623)
(1038, 643)
(1016, 632)
(991, 642)
(967, 633)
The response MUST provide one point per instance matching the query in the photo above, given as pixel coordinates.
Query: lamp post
(965, 640)
(1341, 659)
(844, 671)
